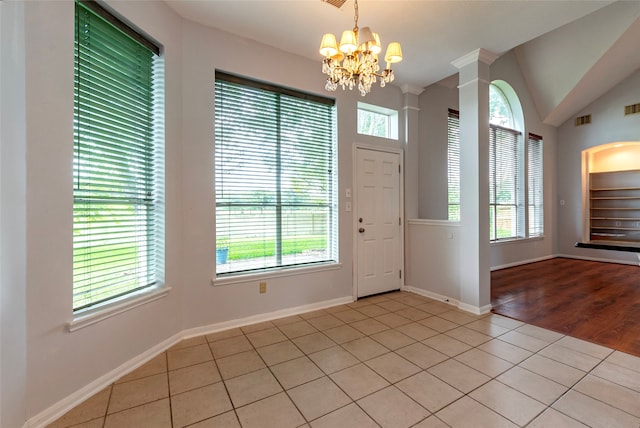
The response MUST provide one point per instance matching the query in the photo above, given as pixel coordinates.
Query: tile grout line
(398, 300)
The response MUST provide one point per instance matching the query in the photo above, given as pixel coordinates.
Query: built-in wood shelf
(614, 205)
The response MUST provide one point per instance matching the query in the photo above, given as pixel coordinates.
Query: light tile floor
(393, 360)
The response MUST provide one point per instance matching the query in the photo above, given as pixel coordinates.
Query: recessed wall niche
(611, 194)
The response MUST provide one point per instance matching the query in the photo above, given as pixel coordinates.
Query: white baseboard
(522, 262)
(450, 300)
(600, 259)
(63, 406)
(476, 310)
(213, 328)
(568, 256)
(435, 296)
(54, 412)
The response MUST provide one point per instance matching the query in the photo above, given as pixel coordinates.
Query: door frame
(354, 223)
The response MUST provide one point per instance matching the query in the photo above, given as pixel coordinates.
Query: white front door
(378, 222)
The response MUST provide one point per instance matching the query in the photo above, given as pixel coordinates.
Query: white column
(475, 275)
(411, 110)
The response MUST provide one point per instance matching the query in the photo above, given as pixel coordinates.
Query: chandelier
(354, 62)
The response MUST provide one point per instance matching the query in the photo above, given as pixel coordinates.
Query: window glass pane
(275, 178)
(377, 121)
(499, 109)
(535, 185)
(514, 212)
(453, 165)
(115, 193)
(504, 182)
(374, 124)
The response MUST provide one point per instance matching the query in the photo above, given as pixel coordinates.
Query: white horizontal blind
(453, 165)
(504, 183)
(114, 228)
(275, 161)
(535, 185)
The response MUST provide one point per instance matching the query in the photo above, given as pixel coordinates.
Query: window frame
(286, 101)
(105, 149)
(453, 165)
(526, 228)
(390, 115)
(535, 185)
(513, 139)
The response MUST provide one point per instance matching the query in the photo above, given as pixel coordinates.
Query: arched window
(515, 169)
(506, 202)
(499, 108)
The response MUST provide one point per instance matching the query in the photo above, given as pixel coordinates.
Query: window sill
(275, 273)
(95, 315)
(516, 240)
(432, 222)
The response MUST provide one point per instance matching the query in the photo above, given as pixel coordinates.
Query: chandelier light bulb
(394, 53)
(376, 46)
(328, 46)
(348, 42)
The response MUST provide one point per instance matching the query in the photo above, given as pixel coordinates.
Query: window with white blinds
(118, 157)
(275, 177)
(535, 200)
(506, 181)
(505, 185)
(453, 165)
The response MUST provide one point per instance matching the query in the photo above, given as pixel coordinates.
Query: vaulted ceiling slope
(570, 51)
(568, 68)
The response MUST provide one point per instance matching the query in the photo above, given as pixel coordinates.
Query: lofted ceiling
(570, 51)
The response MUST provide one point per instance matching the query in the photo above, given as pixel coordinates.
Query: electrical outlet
(263, 287)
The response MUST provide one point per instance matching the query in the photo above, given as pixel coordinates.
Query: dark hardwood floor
(595, 301)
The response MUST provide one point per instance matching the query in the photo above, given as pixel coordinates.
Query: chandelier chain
(355, 17)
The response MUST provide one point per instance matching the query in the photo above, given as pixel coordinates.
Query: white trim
(431, 295)
(482, 310)
(426, 222)
(57, 410)
(600, 259)
(102, 313)
(476, 310)
(405, 108)
(213, 328)
(506, 241)
(473, 81)
(274, 273)
(479, 55)
(354, 180)
(411, 89)
(569, 256)
(522, 262)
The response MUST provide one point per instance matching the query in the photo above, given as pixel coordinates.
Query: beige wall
(62, 366)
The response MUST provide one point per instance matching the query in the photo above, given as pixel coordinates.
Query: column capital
(479, 55)
(411, 89)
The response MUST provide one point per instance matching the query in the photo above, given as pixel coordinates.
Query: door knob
(361, 230)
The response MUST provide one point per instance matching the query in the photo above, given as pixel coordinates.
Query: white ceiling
(558, 42)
